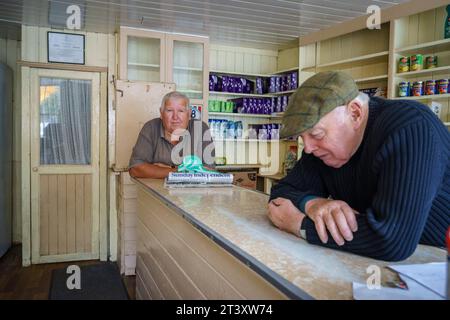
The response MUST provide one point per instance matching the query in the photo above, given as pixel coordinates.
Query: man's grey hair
(174, 95)
(363, 98)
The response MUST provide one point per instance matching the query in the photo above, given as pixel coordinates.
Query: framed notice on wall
(65, 47)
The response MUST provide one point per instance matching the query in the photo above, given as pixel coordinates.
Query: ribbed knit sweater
(398, 180)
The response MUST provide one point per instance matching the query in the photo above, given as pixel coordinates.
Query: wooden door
(65, 165)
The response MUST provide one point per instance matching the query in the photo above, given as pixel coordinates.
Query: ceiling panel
(254, 23)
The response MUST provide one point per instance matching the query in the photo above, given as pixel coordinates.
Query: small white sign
(436, 108)
(65, 47)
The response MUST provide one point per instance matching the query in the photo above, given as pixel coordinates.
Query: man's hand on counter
(335, 215)
(285, 216)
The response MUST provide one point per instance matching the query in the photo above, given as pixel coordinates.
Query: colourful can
(403, 89)
(416, 62)
(430, 87)
(417, 89)
(431, 62)
(403, 64)
(442, 86)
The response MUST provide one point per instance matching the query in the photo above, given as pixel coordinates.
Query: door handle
(35, 169)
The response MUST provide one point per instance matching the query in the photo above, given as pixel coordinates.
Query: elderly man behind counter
(164, 141)
(374, 174)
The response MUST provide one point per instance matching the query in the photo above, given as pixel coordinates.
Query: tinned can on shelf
(431, 62)
(417, 89)
(403, 64)
(416, 62)
(403, 89)
(430, 87)
(442, 86)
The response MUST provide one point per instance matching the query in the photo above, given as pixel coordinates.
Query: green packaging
(431, 62)
(416, 62)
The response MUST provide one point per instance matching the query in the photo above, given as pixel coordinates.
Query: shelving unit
(363, 54)
(371, 56)
(226, 62)
(361, 60)
(253, 75)
(371, 79)
(438, 70)
(438, 45)
(421, 34)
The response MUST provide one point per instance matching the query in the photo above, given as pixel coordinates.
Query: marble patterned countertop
(236, 218)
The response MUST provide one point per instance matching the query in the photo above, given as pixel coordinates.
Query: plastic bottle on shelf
(239, 129)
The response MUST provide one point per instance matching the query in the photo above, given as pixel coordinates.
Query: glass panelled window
(188, 68)
(144, 59)
(65, 121)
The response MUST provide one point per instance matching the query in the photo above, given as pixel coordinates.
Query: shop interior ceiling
(250, 23)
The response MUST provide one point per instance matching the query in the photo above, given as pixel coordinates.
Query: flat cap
(316, 97)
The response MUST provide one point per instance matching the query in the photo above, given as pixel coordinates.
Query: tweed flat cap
(316, 97)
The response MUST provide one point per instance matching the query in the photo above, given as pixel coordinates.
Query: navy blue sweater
(398, 179)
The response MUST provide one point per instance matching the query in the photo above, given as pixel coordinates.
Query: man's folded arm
(391, 229)
(303, 181)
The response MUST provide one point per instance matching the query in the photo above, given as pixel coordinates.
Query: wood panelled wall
(354, 44)
(65, 214)
(288, 58)
(419, 28)
(10, 51)
(245, 60)
(177, 261)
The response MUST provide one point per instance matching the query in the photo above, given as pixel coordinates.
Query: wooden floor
(33, 282)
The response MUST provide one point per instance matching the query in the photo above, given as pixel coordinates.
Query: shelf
(235, 94)
(189, 91)
(188, 69)
(447, 124)
(309, 69)
(278, 176)
(248, 115)
(264, 75)
(237, 166)
(371, 79)
(282, 92)
(424, 71)
(285, 71)
(366, 59)
(433, 46)
(239, 73)
(245, 140)
(430, 97)
(148, 65)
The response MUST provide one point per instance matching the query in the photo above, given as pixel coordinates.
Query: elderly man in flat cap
(374, 175)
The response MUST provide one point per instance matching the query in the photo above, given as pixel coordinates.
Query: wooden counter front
(218, 243)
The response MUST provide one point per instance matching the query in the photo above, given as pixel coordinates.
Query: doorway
(65, 165)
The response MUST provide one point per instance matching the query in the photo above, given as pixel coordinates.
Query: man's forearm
(147, 170)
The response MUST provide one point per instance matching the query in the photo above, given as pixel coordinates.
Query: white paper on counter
(415, 291)
(431, 275)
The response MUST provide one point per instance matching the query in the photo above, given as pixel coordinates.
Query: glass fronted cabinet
(161, 57)
(142, 55)
(187, 63)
